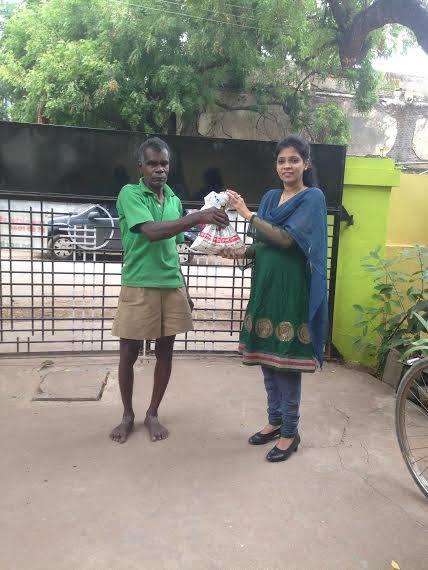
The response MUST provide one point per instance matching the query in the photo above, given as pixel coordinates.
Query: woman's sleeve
(249, 257)
(250, 251)
(261, 230)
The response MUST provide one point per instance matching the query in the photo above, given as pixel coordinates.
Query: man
(153, 301)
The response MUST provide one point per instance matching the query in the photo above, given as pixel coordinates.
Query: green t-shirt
(149, 263)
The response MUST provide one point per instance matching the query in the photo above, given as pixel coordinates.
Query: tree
(145, 64)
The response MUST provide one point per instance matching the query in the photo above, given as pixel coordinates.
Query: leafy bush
(419, 346)
(396, 319)
(330, 125)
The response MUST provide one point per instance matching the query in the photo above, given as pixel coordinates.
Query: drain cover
(71, 384)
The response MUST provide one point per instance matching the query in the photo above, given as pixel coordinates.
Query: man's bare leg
(163, 351)
(128, 355)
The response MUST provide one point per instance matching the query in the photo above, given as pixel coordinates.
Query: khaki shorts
(148, 313)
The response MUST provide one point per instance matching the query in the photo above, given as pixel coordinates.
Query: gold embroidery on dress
(264, 328)
(303, 334)
(284, 331)
(248, 323)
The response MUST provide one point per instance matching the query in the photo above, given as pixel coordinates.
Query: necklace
(284, 197)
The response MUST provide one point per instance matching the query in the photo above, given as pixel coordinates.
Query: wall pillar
(366, 195)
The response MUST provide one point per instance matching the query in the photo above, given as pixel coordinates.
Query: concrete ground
(204, 499)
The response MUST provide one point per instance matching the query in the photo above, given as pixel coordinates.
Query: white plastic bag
(214, 239)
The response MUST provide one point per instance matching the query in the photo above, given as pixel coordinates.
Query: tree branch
(309, 75)
(329, 43)
(354, 41)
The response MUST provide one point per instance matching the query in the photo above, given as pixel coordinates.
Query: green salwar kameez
(275, 331)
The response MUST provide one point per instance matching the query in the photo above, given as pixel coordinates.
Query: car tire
(61, 248)
(184, 253)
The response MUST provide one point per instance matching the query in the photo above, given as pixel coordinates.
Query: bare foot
(284, 443)
(268, 429)
(156, 430)
(121, 432)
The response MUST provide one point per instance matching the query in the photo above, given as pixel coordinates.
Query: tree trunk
(172, 124)
(41, 119)
(354, 41)
(190, 126)
(406, 125)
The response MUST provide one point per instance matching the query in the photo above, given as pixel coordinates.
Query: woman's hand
(238, 203)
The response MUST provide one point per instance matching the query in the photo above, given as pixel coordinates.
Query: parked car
(96, 229)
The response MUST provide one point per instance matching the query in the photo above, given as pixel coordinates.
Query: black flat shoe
(261, 438)
(275, 455)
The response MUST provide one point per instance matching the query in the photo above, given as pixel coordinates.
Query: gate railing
(60, 281)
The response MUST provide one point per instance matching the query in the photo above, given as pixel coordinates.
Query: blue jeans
(283, 391)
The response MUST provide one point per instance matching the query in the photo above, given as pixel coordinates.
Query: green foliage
(113, 64)
(396, 317)
(6, 11)
(143, 64)
(330, 125)
(419, 346)
(366, 84)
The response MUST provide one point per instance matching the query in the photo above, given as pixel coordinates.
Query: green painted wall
(367, 189)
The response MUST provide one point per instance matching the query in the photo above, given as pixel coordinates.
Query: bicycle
(411, 421)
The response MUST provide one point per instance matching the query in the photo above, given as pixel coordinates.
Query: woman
(285, 323)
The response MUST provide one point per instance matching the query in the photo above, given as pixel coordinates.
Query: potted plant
(393, 324)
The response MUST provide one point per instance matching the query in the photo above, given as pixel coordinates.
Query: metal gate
(60, 280)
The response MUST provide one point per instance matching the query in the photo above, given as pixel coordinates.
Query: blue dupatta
(304, 217)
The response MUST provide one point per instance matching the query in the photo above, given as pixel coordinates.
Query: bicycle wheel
(411, 422)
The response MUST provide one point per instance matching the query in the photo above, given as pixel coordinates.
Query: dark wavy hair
(155, 143)
(302, 147)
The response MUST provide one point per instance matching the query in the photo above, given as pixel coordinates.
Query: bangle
(250, 219)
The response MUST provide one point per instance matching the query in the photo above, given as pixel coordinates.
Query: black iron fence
(60, 270)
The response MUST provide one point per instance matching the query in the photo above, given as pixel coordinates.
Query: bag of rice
(214, 239)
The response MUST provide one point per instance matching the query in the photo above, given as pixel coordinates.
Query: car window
(111, 209)
(100, 213)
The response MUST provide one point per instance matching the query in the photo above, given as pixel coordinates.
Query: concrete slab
(204, 498)
(73, 383)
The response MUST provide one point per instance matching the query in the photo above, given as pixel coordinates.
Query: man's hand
(213, 216)
(232, 254)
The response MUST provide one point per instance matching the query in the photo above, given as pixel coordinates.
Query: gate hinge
(345, 216)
